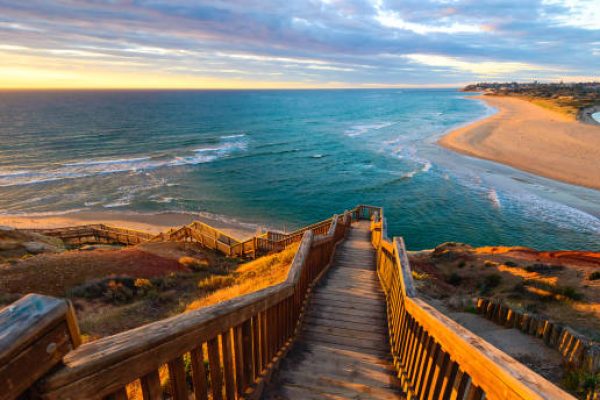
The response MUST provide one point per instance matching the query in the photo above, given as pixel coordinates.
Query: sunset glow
(239, 44)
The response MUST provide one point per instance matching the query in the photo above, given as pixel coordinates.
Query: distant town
(570, 98)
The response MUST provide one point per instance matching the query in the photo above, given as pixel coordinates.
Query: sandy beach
(153, 223)
(532, 139)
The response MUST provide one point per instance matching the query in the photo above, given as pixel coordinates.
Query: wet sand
(153, 223)
(533, 139)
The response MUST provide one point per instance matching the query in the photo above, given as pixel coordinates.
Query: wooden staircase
(346, 323)
(342, 351)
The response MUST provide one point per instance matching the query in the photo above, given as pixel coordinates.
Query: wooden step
(342, 351)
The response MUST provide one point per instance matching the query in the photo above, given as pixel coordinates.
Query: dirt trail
(524, 348)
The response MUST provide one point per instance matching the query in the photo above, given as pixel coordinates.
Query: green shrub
(114, 289)
(570, 292)
(461, 264)
(581, 382)
(454, 279)
(492, 280)
(471, 309)
(117, 292)
(543, 269)
(519, 288)
(594, 276)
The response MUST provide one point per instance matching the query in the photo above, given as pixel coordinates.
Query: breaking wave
(361, 129)
(227, 145)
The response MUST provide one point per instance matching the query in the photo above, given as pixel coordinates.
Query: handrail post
(36, 332)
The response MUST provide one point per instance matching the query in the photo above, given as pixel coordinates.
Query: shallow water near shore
(281, 159)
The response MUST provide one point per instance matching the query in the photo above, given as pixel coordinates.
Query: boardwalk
(343, 351)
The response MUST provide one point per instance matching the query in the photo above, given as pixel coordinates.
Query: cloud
(480, 69)
(310, 42)
(577, 13)
(392, 19)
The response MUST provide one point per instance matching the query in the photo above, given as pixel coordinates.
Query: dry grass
(250, 277)
(553, 284)
(557, 106)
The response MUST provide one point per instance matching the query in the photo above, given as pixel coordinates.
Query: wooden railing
(96, 233)
(436, 358)
(213, 238)
(243, 340)
(196, 232)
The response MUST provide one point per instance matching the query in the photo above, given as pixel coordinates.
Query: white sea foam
(493, 196)
(424, 167)
(118, 203)
(41, 213)
(361, 129)
(534, 206)
(239, 135)
(79, 169)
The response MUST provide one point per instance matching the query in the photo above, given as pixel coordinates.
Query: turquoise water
(282, 159)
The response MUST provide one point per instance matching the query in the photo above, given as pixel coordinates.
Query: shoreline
(585, 115)
(147, 222)
(532, 139)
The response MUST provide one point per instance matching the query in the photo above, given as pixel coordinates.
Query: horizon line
(25, 89)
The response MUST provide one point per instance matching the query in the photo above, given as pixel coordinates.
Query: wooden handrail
(196, 231)
(35, 333)
(94, 233)
(436, 357)
(243, 338)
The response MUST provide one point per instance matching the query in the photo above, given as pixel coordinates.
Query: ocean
(280, 159)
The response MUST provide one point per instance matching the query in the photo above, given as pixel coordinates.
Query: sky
(295, 44)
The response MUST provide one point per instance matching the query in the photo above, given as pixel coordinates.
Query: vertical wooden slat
(429, 374)
(256, 343)
(448, 381)
(228, 369)
(199, 374)
(177, 379)
(439, 375)
(475, 392)
(264, 339)
(151, 386)
(214, 367)
(120, 394)
(240, 379)
(459, 386)
(248, 354)
(424, 365)
(415, 365)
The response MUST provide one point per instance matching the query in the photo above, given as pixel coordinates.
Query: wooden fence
(195, 232)
(96, 233)
(243, 340)
(436, 358)
(212, 238)
(576, 350)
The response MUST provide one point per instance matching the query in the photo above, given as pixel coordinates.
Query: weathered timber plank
(347, 332)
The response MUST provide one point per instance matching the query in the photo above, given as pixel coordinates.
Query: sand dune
(533, 139)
